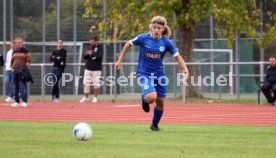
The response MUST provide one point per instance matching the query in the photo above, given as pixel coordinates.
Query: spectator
(21, 59)
(8, 73)
(59, 58)
(93, 56)
(269, 87)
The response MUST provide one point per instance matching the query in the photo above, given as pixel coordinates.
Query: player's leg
(158, 113)
(149, 94)
(161, 91)
(147, 99)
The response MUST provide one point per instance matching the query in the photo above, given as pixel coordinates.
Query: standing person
(153, 47)
(270, 83)
(93, 69)
(8, 73)
(21, 59)
(59, 58)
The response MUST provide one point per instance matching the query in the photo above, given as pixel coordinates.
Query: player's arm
(182, 65)
(122, 55)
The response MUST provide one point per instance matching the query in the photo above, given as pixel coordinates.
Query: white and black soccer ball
(82, 131)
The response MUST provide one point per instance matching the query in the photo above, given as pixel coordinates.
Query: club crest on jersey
(146, 87)
(161, 49)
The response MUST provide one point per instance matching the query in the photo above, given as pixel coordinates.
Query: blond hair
(162, 21)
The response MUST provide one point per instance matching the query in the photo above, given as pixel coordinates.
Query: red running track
(225, 114)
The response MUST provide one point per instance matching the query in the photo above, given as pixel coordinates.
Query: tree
(126, 19)
(28, 20)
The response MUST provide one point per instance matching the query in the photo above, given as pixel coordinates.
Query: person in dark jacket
(269, 87)
(93, 69)
(59, 58)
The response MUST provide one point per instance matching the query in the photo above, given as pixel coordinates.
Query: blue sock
(157, 116)
(144, 98)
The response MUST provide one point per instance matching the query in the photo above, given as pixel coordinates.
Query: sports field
(122, 130)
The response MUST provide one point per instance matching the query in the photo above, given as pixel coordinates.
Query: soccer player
(150, 70)
(59, 58)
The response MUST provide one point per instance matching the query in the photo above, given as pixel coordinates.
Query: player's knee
(151, 98)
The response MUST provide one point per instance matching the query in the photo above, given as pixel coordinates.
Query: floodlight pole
(104, 44)
(75, 39)
(4, 39)
(261, 29)
(262, 49)
(43, 31)
(58, 19)
(237, 67)
(212, 46)
(114, 61)
(174, 67)
(11, 20)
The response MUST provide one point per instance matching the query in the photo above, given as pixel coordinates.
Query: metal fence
(75, 87)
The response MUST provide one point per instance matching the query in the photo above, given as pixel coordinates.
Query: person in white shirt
(8, 73)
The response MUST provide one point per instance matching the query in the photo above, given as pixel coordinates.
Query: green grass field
(55, 140)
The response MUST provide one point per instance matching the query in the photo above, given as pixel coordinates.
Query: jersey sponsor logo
(150, 55)
(161, 49)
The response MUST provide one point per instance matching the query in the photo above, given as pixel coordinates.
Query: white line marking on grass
(126, 106)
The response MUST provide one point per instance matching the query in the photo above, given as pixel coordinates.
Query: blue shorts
(157, 85)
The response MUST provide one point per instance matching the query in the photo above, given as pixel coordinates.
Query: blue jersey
(152, 52)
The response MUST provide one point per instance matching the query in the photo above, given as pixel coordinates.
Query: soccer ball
(82, 131)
